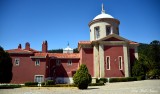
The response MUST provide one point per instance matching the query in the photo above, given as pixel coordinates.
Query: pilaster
(96, 63)
(126, 60)
(101, 59)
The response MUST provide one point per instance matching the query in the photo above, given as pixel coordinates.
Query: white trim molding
(120, 62)
(108, 63)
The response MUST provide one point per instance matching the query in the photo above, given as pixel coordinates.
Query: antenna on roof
(68, 44)
(103, 11)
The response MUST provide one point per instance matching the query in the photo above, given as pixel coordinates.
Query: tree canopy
(5, 67)
(75, 50)
(149, 60)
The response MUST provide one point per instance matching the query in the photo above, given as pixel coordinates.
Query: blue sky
(63, 21)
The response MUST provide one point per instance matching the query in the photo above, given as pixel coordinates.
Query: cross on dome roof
(103, 14)
(103, 11)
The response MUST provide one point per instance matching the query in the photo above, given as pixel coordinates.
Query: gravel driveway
(136, 87)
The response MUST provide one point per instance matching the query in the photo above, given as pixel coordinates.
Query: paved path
(137, 87)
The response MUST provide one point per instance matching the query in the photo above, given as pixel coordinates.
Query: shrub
(131, 79)
(31, 84)
(138, 69)
(123, 79)
(141, 77)
(154, 74)
(96, 84)
(50, 82)
(102, 80)
(82, 78)
(9, 86)
(60, 85)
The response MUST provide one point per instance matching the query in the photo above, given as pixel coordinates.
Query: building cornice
(104, 20)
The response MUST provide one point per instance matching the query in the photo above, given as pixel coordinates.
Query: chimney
(44, 47)
(19, 46)
(27, 47)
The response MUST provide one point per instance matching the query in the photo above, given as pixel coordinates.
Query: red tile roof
(56, 55)
(22, 51)
(132, 42)
(33, 50)
(84, 42)
(40, 54)
(64, 55)
(19, 51)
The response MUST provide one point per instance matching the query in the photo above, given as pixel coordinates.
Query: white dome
(103, 15)
(68, 48)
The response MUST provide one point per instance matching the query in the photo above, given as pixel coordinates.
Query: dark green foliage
(122, 79)
(31, 84)
(72, 85)
(138, 69)
(75, 50)
(102, 80)
(9, 86)
(148, 62)
(50, 82)
(60, 85)
(142, 77)
(5, 67)
(82, 78)
(154, 74)
(56, 51)
(96, 84)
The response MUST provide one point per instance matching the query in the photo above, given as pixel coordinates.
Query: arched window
(97, 32)
(108, 30)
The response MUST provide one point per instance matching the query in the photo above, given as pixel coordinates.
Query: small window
(58, 62)
(17, 61)
(69, 62)
(97, 32)
(37, 62)
(108, 30)
(120, 62)
(107, 62)
(39, 78)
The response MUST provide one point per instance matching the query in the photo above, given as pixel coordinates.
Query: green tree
(155, 53)
(82, 78)
(5, 67)
(149, 60)
(138, 69)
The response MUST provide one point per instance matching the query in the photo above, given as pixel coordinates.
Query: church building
(106, 55)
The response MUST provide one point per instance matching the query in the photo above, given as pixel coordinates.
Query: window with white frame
(37, 62)
(120, 62)
(108, 30)
(97, 32)
(69, 62)
(108, 62)
(39, 78)
(58, 62)
(17, 60)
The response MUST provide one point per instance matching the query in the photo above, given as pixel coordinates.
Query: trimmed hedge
(96, 84)
(60, 85)
(31, 84)
(50, 82)
(72, 85)
(9, 86)
(102, 80)
(141, 77)
(126, 79)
